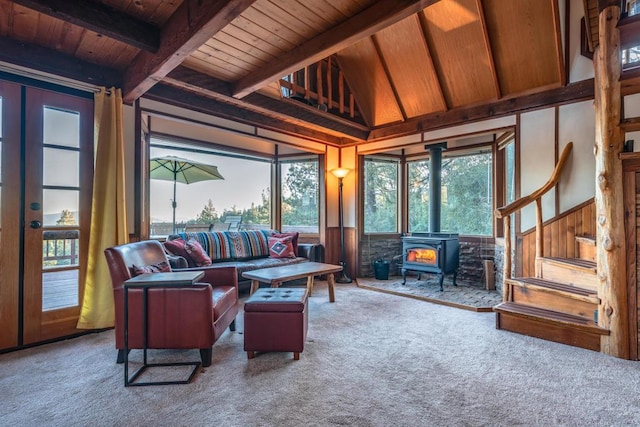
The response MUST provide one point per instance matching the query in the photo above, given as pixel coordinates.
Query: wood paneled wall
(332, 249)
(559, 236)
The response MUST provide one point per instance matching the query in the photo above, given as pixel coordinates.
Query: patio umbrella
(176, 169)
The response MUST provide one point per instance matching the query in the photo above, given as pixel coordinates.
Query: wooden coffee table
(276, 275)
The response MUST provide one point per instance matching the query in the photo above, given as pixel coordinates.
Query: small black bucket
(381, 270)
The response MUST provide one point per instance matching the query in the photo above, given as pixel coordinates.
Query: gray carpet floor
(370, 359)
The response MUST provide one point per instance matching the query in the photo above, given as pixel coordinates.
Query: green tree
(418, 188)
(381, 196)
(467, 199)
(300, 194)
(208, 215)
(67, 218)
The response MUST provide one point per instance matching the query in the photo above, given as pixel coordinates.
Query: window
(510, 171)
(300, 210)
(467, 194)
(418, 189)
(244, 190)
(380, 195)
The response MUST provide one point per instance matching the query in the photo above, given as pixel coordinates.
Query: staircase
(559, 306)
(560, 303)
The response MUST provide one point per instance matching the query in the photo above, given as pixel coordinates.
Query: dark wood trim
(366, 23)
(101, 19)
(629, 27)
(574, 92)
(283, 110)
(190, 26)
(137, 173)
(47, 60)
(603, 4)
(630, 226)
(192, 101)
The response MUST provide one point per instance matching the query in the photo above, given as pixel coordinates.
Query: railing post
(539, 238)
(507, 258)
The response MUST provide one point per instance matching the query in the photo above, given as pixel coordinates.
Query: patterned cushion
(294, 240)
(161, 267)
(177, 247)
(232, 245)
(197, 254)
(281, 247)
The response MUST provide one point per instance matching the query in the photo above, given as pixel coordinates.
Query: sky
(243, 184)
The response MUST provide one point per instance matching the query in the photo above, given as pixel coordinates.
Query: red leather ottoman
(275, 319)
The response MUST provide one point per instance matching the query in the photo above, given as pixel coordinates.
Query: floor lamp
(341, 173)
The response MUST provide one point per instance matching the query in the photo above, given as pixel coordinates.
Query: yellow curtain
(108, 210)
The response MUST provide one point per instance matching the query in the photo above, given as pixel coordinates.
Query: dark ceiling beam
(190, 26)
(100, 19)
(287, 111)
(487, 43)
(575, 92)
(197, 102)
(368, 22)
(52, 62)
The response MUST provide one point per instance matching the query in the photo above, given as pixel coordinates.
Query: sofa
(244, 249)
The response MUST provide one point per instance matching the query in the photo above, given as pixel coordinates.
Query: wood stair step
(550, 325)
(563, 289)
(576, 263)
(586, 247)
(554, 296)
(572, 271)
(586, 240)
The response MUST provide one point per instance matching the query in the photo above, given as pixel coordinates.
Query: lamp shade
(340, 172)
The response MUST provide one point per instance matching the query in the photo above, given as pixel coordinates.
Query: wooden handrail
(524, 201)
(505, 212)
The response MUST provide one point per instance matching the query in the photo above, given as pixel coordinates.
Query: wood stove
(436, 253)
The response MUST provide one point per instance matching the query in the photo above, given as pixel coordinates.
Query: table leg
(276, 284)
(254, 286)
(309, 285)
(332, 283)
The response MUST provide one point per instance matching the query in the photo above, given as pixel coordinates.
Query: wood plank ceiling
(405, 62)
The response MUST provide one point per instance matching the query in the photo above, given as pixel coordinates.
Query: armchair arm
(311, 251)
(217, 276)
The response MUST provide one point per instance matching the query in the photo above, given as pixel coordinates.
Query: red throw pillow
(161, 267)
(197, 254)
(177, 247)
(281, 247)
(294, 239)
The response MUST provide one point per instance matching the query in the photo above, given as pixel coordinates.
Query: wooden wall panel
(332, 249)
(559, 235)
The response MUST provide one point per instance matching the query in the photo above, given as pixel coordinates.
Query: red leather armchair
(178, 318)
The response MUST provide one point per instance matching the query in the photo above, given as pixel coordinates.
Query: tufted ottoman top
(277, 299)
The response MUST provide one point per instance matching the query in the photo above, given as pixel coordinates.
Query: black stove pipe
(435, 187)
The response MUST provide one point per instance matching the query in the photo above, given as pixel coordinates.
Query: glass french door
(50, 156)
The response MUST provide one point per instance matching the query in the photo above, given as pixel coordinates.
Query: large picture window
(380, 195)
(244, 190)
(467, 194)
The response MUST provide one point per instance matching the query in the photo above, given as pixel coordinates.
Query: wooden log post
(609, 201)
